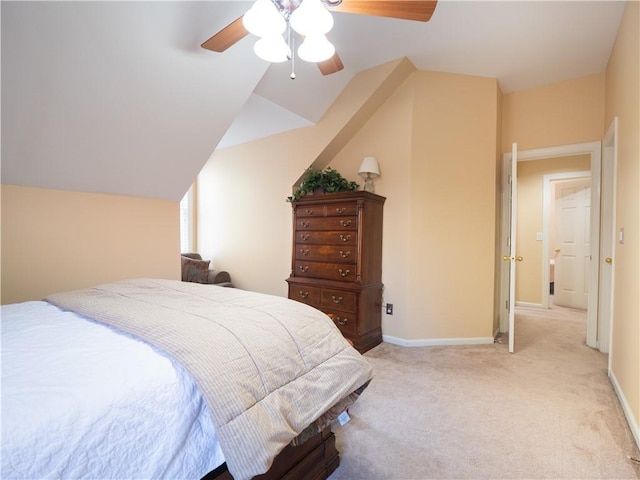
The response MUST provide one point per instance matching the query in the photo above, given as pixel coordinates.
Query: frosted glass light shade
(263, 19)
(311, 18)
(272, 49)
(315, 49)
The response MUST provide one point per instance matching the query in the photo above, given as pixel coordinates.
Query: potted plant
(322, 181)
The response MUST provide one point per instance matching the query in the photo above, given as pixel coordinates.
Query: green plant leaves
(327, 181)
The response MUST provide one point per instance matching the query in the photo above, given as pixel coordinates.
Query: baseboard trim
(437, 342)
(529, 304)
(633, 424)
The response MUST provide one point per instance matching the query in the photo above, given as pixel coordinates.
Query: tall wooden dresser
(336, 263)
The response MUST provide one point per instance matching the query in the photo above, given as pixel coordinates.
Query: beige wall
(622, 101)
(244, 221)
(560, 114)
(500, 250)
(530, 214)
(452, 209)
(387, 136)
(55, 240)
(435, 142)
(438, 173)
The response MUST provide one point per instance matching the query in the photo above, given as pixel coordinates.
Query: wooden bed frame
(315, 459)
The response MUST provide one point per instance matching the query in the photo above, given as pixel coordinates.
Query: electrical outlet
(389, 308)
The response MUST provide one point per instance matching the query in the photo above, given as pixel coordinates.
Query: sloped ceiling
(115, 97)
(118, 97)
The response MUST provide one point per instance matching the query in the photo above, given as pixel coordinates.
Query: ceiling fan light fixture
(311, 18)
(263, 19)
(272, 49)
(316, 48)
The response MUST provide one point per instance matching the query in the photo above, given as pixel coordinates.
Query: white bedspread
(80, 400)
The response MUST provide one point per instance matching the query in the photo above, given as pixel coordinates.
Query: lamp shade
(263, 19)
(369, 168)
(272, 48)
(316, 48)
(311, 18)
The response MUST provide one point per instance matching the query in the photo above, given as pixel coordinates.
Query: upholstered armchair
(194, 269)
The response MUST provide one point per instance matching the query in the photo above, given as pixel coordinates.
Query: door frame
(608, 237)
(594, 150)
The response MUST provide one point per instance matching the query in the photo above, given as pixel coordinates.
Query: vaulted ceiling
(118, 97)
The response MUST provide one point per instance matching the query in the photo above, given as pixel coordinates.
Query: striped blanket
(267, 366)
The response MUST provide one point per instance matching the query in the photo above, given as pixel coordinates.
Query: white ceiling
(521, 43)
(118, 97)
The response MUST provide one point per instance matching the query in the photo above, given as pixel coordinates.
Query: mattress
(83, 400)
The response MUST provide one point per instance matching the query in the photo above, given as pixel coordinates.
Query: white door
(573, 243)
(512, 258)
(607, 238)
(508, 243)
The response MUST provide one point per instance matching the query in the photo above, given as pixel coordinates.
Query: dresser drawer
(345, 272)
(329, 210)
(326, 253)
(338, 209)
(327, 238)
(305, 294)
(339, 300)
(346, 322)
(311, 211)
(327, 223)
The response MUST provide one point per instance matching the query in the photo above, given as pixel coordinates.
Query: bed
(150, 378)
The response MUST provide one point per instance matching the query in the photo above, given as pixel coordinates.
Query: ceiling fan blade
(420, 10)
(226, 37)
(333, 65)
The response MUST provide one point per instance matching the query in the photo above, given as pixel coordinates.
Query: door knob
(608, 260)
(507, 258)
(557, 250)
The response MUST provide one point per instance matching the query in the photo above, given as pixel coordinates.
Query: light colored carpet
(477, 412)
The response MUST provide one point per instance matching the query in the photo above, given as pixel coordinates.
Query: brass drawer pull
(304, 251)
(345, 238)
(341, 321)
(345, 254)
(340, 209)
(306, 224)
(304, 294)
(304, 268)
(345, 223)
(308, 211)
(343, 273)
(336, 299)
(304, 237)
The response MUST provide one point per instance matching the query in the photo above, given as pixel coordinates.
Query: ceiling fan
(418, 10)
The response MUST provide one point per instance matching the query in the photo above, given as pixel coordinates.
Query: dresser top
(324, 198)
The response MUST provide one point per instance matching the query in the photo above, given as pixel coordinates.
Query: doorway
(593, 150)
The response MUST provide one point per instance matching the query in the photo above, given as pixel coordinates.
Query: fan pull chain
(292, 52)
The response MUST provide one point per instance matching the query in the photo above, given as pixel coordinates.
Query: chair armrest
(219, 276)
